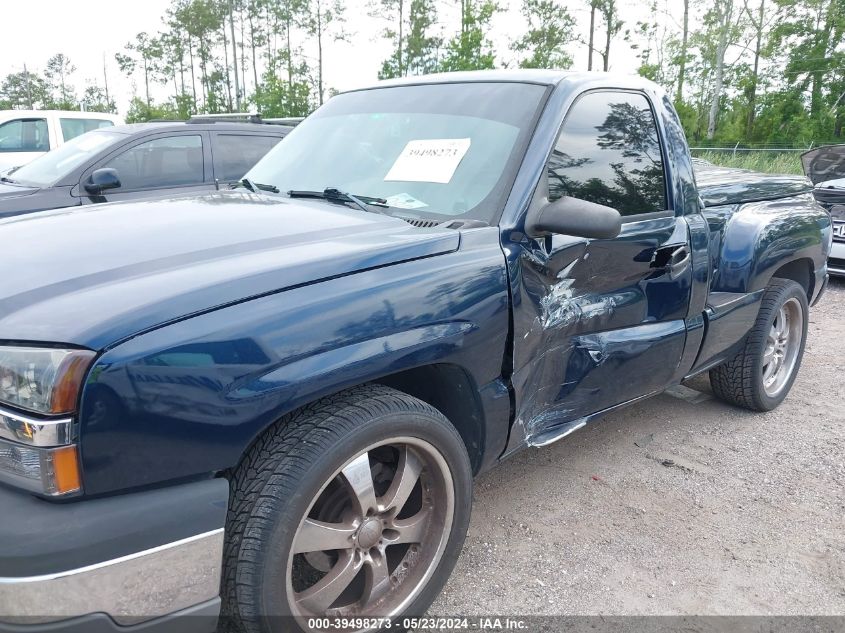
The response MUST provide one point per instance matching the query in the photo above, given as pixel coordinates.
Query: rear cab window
(235, 154)
(609, 152)
(73, 127)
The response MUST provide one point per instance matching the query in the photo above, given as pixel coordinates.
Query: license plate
(839, 231)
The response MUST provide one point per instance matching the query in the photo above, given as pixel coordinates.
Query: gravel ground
(678, 505)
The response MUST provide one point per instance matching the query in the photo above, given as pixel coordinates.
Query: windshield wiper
(5, 179)
(255, 187)
(362, 202)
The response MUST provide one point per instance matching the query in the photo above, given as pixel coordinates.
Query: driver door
(601, 322)
(155, 166)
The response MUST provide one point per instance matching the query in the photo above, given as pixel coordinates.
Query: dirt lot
(677, 505)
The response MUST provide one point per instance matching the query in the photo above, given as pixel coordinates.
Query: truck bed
(729, 185)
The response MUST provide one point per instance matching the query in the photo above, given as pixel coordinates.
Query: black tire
(281, 475)
(739, 381)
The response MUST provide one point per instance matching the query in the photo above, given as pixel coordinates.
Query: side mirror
(573, 216)
(101, 180)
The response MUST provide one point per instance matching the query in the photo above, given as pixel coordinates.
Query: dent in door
(586, 390)
(586, 329)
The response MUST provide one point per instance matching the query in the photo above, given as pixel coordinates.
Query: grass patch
(767, 162)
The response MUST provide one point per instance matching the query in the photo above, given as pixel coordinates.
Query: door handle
(675, 259)
(679, 262)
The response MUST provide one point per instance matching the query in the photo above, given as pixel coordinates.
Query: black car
(142, 160)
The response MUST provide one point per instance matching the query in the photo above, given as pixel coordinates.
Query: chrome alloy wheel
(783, 344)
(374, 533)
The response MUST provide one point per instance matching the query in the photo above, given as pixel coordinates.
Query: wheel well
(450, 390)
(800, 271)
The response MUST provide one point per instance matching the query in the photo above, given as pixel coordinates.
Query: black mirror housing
(576, 217)
(101, 180)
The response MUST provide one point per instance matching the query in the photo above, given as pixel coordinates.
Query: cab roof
(521, 75)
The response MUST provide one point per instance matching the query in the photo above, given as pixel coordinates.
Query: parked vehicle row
(27, 134)
(142, 160)
(269, 403)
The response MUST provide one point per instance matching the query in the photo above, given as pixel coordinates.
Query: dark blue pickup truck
(270, 403)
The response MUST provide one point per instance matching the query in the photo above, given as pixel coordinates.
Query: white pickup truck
(26, 134)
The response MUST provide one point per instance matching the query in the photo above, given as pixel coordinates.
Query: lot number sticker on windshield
(429, 160)
(405, 201)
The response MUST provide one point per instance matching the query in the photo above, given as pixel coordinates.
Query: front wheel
(353, 509)
(761, 374)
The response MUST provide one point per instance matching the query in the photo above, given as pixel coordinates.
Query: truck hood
(94, 276)
(824, 163)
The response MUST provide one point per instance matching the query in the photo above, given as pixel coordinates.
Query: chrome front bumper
(130, 589)
(108, 564)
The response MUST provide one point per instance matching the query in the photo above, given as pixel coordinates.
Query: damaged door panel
(597, 324)
(600, 322)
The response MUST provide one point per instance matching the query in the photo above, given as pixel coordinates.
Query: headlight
(37, 451)
(42, 379)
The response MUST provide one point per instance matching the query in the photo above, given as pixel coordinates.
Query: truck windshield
(47, 170)
(428, 151)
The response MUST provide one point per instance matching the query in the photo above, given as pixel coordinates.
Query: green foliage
(796, 97)
(422, 46)
(411, 30)
(24, 90)
(812, 32)
(471, 49)
(767, 162)
(607, 12)
(58, 72)
(184, 105)
(278, 98)
(748, 72)
(95, 100)
(322, 20)
(140, 111)
(550, 30)
(649, 71)
(652, 46)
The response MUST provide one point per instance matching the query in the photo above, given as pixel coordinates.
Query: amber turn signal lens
(66, 476)
(69, 379)
(45, 471)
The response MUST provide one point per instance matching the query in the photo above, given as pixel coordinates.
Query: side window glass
(608, 152)
(235, 155)
(24, 135)
(71, 128)
(163, 162)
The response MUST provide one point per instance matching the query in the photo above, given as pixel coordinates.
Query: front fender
(188, 399)
(752, 241)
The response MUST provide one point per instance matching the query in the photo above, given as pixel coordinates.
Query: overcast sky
(87, 31)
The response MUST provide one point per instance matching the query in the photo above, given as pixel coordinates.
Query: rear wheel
(355, 507)
(761, 374)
